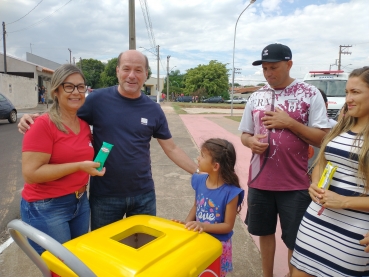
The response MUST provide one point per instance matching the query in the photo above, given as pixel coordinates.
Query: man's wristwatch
(197, 171)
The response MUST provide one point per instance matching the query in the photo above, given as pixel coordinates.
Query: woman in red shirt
(57, 161)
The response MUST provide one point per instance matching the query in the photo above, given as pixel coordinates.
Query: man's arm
(177, 155)
(281, 120)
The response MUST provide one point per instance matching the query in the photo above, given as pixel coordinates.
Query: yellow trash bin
(141, 246)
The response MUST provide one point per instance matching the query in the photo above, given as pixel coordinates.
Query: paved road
(11, 181)
(174, 199)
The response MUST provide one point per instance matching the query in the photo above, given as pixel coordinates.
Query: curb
(6, 244)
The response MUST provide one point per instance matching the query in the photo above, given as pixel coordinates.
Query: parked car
(7, 109)
(184, 99)
(153, 98)
(237, 100)
(214, 99)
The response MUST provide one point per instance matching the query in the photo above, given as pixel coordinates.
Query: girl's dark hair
(223, 152)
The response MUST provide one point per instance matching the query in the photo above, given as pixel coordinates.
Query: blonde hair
(59, 76)
(343, 126)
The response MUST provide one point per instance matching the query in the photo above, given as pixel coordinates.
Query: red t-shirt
(44, 137)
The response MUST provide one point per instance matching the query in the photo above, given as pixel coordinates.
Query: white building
(21, 82)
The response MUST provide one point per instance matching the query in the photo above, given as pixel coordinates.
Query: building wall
(21, 91)
(22, 94)
(152, 84)
(17, 65)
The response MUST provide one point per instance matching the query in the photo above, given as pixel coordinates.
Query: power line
(26, 13)
(146, 15)
(41, 19)
(150, 32)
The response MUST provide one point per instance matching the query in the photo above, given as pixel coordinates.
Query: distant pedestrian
(43, 98)
(218, 196)
(41, 92)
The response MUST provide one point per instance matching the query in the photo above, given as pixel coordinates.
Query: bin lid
(141, 246)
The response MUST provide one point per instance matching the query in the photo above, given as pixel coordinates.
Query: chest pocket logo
(292, 105)
(144, 121)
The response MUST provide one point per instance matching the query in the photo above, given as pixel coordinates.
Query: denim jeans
(62, 218)
(106, 210)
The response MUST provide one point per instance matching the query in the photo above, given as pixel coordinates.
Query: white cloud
(193, 32)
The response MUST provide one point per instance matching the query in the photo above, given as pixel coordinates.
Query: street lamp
(168, 57)
(70, 56)
(157, 56)
(346, 66)
(168, 77)
(234, 45)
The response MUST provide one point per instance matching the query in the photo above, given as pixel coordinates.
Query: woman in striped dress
(328, 244)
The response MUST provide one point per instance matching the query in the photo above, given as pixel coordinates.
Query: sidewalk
(174, 193)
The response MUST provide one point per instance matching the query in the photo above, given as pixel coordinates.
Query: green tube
(103, 154)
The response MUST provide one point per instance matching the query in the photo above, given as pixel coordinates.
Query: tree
(207, 80)
(235, 84)
(261, 84)
(109, 75)
(176, 82)
(92, 70)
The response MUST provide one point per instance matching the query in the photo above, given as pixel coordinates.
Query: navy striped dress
(328, 245)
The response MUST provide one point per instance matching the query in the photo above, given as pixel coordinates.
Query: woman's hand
(195, 226)
(316, 193)
(365, 241)
(91, 168)
(332, 200)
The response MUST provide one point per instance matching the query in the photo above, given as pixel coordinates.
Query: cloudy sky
(192, 32)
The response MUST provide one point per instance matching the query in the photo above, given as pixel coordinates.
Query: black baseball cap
(273, 53)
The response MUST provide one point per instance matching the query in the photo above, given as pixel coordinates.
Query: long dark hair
(223, 152)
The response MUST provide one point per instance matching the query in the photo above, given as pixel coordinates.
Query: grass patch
(235, 118)
(209, 105)
(177, 108)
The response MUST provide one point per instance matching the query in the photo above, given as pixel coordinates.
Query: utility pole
(342, 47)
(168, 57)
(132, 28)
(74, 60)
(330, 66)
(4, 45)
(70, 56)
(158, 84)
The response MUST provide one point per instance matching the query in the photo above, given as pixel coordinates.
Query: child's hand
(195, 226)
(178, 221)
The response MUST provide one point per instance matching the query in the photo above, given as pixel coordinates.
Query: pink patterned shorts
(226, 258)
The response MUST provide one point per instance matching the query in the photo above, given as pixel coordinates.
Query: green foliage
(109, 75)
(207, 80)
(92, 70)
(150, 73)
(176, 82)
(261, 84)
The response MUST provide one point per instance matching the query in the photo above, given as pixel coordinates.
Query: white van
(333, 83)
